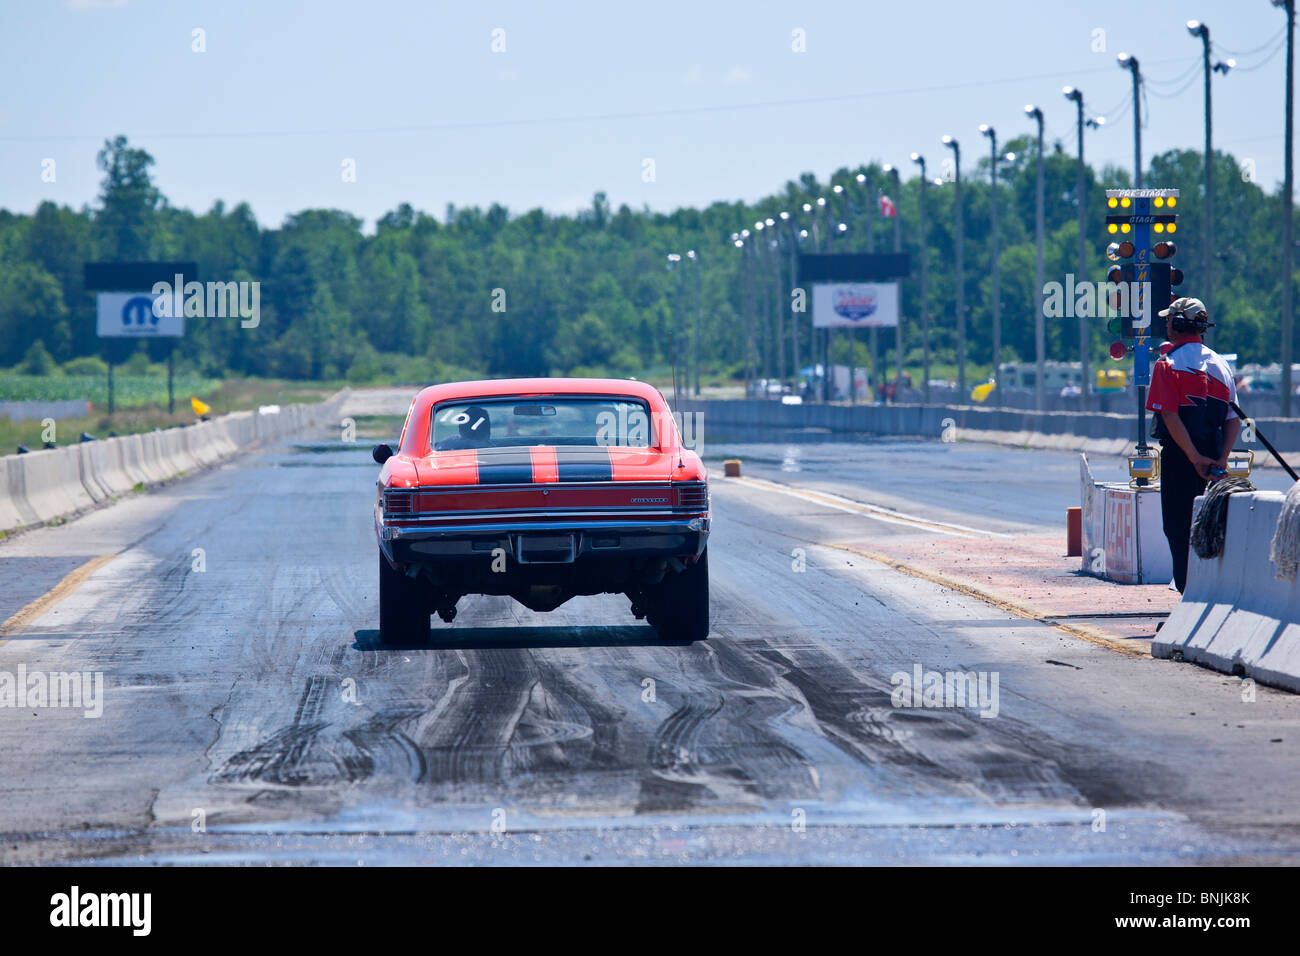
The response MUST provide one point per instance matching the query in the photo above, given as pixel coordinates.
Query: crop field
(129, 391)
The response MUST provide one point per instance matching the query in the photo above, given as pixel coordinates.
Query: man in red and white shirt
(1192, 389)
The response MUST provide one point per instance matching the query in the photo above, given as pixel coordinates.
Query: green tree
(127, 220)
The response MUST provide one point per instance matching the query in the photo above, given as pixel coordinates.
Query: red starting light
(1118, 350)
(1164, 250)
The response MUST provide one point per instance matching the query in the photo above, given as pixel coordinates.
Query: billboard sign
(132, 315)
(853, 305)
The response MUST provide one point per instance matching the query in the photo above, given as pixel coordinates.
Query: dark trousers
(1179, 487)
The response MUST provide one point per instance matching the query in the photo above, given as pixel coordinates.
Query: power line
(1191, 69)
(1264, 62)
(1178, 92)
(1218, 48)
(574, 118)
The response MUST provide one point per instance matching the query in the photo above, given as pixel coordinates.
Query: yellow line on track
(1092, 635)
(54, 595)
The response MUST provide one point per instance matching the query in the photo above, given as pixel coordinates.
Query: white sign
(132, 315)
(854, 305)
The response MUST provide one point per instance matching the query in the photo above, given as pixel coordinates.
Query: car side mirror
(382, 453)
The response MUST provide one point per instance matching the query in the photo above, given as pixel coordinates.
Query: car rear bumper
(558, 541)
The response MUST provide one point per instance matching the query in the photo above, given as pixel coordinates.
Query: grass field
(147, 407)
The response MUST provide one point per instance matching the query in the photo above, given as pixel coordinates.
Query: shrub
(38, 361)
(86, 365)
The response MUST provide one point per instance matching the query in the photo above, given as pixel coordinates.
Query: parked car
(541, 489)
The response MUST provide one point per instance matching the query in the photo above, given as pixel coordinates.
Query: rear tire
(682, 613)
(403, 612)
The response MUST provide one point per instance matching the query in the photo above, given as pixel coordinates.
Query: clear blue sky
(287, 89)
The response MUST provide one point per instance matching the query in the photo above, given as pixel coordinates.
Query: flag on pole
(887, 207)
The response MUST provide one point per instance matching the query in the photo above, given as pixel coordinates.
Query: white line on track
(888, 515)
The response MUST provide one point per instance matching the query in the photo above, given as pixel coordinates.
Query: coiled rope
(1212, 520)
(1284, 551)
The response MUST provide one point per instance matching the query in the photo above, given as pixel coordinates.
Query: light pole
(828, 332)
(1288, 247)
(793, 245)
(925, 306)
(1040, 332)
(892, 171)
(1206, 285)
(766, 328)
(873, 338)
(1079, 190)
(992, 134)
(1130, 63)
(814, 346)
(774, 250)
(695, 336)
(952, 144)
(673, 260)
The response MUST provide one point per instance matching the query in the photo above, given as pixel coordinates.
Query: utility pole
(1040, 330)
(1288, 243)
(1130, 63)
(925, 306)
(792, 243)
(695, 337)
(1205, 286)
(827, 333)
(898, 247)
(1080, 188)
(873, 338)
(961, 273)
(773, 240)
(992, 134)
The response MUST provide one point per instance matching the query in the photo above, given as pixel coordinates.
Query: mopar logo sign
(131, 314)
(138, 310)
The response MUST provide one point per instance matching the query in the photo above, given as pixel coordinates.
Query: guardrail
(1094, 432)
(42, 486)
(1236, 615)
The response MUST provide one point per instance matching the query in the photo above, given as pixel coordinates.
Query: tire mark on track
(313, 752)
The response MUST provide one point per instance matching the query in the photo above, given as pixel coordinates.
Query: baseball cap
(1186, 305)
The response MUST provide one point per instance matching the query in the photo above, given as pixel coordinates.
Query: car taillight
(693, 495)
(397, 502)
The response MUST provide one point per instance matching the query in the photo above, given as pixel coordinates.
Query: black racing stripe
(583, 463)
(504, 466)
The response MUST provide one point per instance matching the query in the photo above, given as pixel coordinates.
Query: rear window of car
(504, 423)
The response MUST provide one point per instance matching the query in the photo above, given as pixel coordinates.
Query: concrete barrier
(90, 458)
(58, 483)
(1236, 616)
(11, 516)
(113, 467)
(50, 482)
(133, 454)
(1097, 433)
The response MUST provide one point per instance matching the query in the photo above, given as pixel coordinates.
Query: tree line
(489, 292)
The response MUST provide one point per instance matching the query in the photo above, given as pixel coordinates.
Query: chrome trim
(699, 525)
(527, 513)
